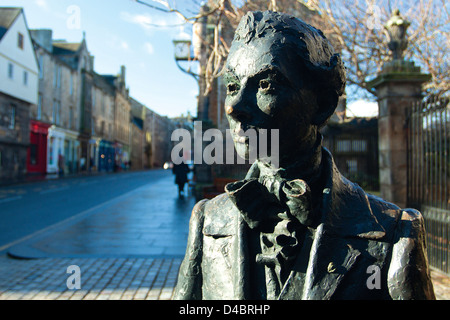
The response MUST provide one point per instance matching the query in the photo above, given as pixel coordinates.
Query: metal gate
(429, 172)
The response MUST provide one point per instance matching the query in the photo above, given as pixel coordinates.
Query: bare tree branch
(355, 27)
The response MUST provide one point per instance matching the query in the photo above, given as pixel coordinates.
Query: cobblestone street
(101, 279)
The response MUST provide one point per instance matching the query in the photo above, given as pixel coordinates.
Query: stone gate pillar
(397, 85)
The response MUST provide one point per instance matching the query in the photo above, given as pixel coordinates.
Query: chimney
(122, 74)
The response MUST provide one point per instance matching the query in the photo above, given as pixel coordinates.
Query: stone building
(18, 92)
(158, 145)
(59, 107)
(102, 130)
(122, 109)
(138, 138)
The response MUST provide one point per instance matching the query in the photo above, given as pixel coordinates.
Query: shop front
(106, 156)
(94, 154)
(71, 152)
(55, 149)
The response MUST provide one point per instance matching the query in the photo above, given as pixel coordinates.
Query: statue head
(281, 73)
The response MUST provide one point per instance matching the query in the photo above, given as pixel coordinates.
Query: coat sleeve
(409, 275)
(189, 283)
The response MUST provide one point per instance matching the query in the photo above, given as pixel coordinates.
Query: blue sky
(118, 33)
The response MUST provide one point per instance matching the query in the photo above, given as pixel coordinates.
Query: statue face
(266, 91)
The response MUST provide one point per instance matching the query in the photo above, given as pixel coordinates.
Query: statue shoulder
(408, 275)
(220, 214)
(411, 224)
(211, 211)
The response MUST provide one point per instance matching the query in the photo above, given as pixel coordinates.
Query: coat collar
(345, 207)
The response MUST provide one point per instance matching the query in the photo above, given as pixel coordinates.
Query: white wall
(22, 60)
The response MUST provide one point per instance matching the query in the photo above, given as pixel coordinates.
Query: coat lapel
(330, 259)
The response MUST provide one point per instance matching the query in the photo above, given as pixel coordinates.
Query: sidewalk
(101, 278)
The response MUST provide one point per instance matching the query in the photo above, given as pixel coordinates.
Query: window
(12, 116)
(359, 145)
(352, 166)
(70, 117)
(10, 71)
(39, 108)
(93, 126)
(56, 112)
(41, 66)
(103, 106)
(57, 77)
(25, 78)
(343, 145)
(93, 99)
(71, 84)
(20, 41)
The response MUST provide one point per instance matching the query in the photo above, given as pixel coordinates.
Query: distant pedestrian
(61, 164)
(180, 171)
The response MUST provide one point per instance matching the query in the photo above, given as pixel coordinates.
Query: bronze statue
(302, 230)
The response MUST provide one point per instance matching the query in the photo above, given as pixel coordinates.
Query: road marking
(10, 199)
(53, 190)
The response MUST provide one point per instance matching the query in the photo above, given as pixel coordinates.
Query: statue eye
(265, 85)
(232, 88)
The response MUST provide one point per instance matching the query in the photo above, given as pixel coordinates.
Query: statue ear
(327, 101)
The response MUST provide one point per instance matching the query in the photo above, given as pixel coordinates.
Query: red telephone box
(37, 152)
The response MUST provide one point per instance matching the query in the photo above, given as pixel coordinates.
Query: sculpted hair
(313, 50)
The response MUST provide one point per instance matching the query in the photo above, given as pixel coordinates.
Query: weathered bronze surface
(300, 231)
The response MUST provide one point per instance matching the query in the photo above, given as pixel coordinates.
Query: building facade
(59, 107)
(158, 145)
(18, 92)
(122, 110)
(102, 149)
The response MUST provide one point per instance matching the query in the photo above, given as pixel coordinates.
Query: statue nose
(238, 109)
